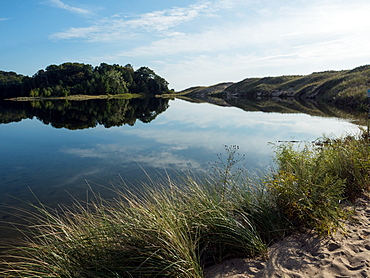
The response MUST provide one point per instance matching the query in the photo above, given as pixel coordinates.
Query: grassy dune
(346, 87)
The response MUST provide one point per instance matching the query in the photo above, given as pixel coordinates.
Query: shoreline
(77, 97)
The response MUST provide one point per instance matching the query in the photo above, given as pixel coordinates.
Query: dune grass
(176, 228)
(173, 231)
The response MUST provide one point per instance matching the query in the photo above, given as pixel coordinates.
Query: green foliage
(12, 83)
(307, 194)
(312, 181)
(349, 159)
(82, 79)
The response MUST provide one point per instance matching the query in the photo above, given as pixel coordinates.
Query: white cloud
(119, 27)
(294, 40)
(75, 33)
(289, 27)
(163, 20)
(62, 5)
(228, 40)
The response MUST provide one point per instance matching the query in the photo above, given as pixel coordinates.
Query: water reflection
(288, 106)
(208, 128)
(56, 162)
(84, 114)
(187, 136)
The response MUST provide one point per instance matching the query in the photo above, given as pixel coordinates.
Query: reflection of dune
(308, 256)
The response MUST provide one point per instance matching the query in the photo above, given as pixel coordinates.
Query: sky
(189, 43)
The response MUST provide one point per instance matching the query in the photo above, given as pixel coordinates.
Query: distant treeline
(82, 79)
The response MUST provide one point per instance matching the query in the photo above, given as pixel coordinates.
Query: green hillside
(346, 87)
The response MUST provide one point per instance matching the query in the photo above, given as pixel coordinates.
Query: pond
(57, 150)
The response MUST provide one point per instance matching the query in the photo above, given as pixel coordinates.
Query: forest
(70, 79)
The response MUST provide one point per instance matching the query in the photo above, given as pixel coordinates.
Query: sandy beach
(346, 254)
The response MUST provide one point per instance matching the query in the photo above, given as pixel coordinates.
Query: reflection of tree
(15, 113)
(85, 114)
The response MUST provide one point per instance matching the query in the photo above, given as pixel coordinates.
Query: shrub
(313, 180)
(305, 193)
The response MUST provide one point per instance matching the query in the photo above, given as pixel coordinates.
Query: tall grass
(313, 180)
(173, 230)
(178, 227)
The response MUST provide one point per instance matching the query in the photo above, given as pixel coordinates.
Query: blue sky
(189, 43)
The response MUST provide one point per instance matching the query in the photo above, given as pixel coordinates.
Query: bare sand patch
(307, 255)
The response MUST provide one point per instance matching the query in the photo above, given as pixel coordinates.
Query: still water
(54, 163)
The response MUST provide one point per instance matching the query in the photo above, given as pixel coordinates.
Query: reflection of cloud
(207, 116)
(84, 153)
(72, 179)
(182, 139)
(166, 159)
(207, 128)
(188, 134)
(117, 154)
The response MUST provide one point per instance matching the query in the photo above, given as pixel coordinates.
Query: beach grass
(176, 228)
(313, 180)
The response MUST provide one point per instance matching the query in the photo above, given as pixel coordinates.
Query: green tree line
(82, 79)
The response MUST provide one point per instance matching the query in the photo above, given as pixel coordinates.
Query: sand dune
(307, 255)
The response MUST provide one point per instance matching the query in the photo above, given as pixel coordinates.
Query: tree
(149, 82)
(77, 78)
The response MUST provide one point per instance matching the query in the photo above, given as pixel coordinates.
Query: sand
(307, 255)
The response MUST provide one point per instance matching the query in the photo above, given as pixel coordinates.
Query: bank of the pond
(79, 97)
(179, 228)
